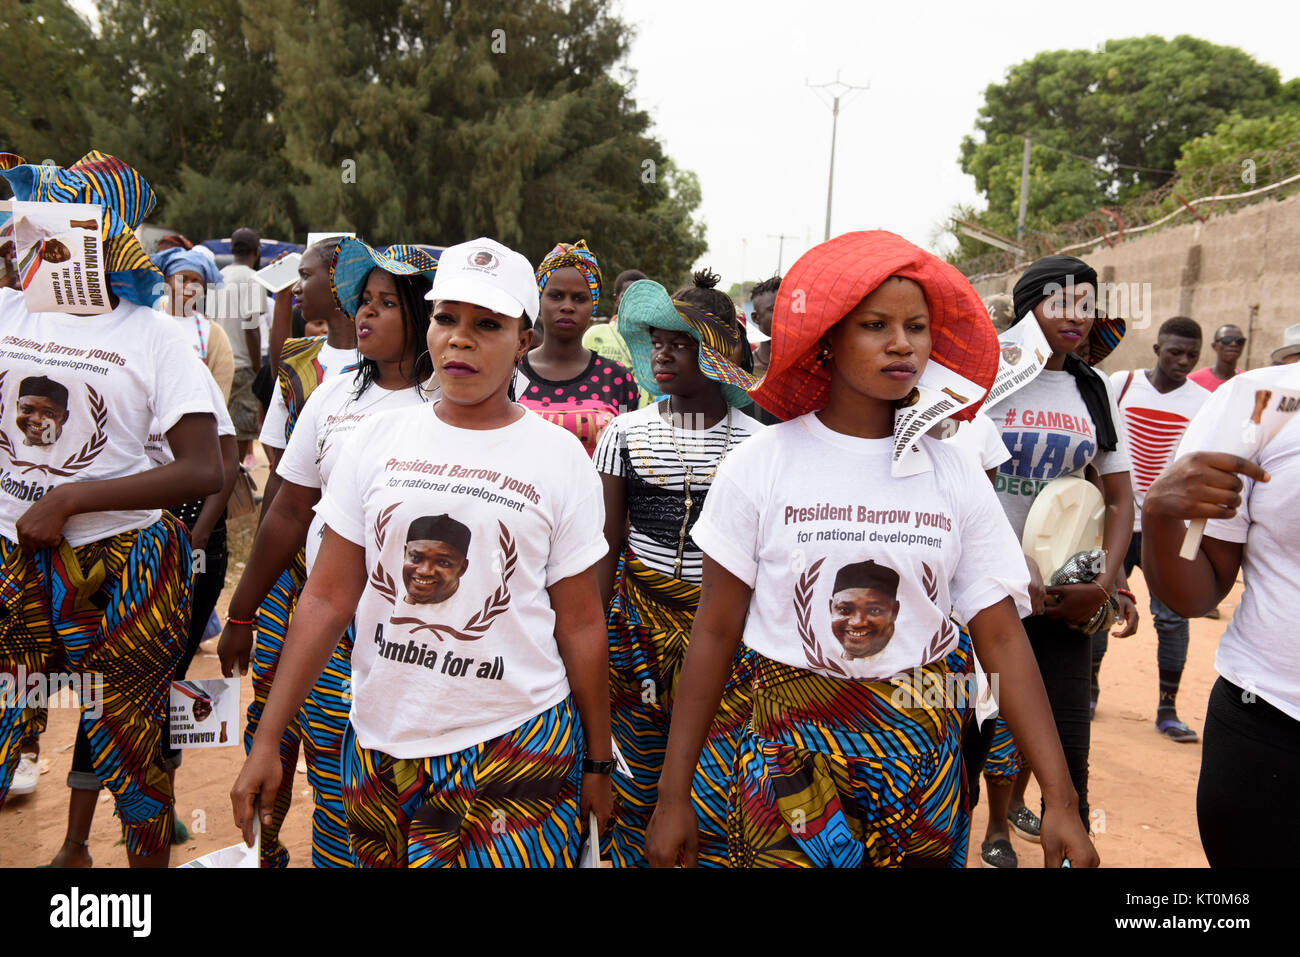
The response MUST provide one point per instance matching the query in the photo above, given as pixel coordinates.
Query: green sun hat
(646, 304)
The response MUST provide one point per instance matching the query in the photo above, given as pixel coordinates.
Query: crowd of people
(684, 576)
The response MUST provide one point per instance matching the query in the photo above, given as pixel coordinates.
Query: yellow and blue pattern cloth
(580, 258)
(126, 197)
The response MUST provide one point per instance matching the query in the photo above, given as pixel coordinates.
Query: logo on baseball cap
(485, 273)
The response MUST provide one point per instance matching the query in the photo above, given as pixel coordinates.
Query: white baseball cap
(485, 273)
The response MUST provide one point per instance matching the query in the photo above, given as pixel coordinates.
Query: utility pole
(1024, 193)
(843, 91)
(780, 248)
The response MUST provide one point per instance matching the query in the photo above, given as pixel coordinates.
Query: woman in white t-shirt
(94, 577)
(464, 537)
(1057, 424)
(842, 578)
(1250, 751)
(656, 467)
(383, 292)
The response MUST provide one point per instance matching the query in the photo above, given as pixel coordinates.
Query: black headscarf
(1044, 277)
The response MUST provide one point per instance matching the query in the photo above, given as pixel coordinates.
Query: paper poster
(313, 238)
(205, 713)
(58, 249)
(1024, 353)
(236, 855)
(939, 394)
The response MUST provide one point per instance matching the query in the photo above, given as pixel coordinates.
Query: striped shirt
(638, 446)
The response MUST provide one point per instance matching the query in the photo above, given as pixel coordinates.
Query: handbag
(243, 497)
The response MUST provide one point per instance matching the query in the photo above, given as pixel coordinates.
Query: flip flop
(1176, 730)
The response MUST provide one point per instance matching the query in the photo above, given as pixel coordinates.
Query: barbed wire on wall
(1199, 194)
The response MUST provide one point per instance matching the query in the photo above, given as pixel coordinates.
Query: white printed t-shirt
(432, 676)
(1046, 428)
(1154, 423)
(979, 437)
(157, 447)
(329, 417)
(1259, 650)
(799, 507)
(332, 362)
(105, 379)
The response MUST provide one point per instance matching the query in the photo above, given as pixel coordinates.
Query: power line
(1085, 159)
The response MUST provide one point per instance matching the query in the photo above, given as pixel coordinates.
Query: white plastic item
(281, 274)
(1067, 517)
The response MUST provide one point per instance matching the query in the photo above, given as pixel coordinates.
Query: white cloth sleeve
(179, 380)
(727, 529)
(578, 535)
(298, 463)
(992, 565)
(277, 417)
(342, 506)
(608, 458)
(1117, 461)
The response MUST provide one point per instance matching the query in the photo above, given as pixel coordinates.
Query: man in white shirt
(240, 315)
(1157, 405)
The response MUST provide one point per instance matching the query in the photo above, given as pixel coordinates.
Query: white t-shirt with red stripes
(1155, 422)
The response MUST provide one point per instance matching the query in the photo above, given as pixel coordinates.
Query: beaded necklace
(689, 471)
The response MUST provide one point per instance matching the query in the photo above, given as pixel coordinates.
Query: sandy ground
(1142, 786)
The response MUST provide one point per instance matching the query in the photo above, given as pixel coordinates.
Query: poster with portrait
(59, 254)
(205, 713)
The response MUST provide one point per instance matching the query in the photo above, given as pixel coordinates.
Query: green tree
(48, 54)
(1107, 124)
(1239, 140)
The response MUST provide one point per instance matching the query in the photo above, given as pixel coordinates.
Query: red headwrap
(831, 279)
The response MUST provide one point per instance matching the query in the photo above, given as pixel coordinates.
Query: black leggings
(1064, 656)
(1246, 799)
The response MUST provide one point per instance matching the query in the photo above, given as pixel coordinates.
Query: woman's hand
(1128, 617)
(255, 788)
(234, 648)
(673, 835)
(41, 526)
(1037, 593)
(1063, 836)
(1075, 604)
(597, 798)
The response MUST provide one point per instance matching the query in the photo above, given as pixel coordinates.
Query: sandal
(998, 854)
(1176, 730)
(1025, 823)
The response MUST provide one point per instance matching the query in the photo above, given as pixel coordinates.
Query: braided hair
(702, 294)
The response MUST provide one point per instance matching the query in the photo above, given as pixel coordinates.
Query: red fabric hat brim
(829, 280)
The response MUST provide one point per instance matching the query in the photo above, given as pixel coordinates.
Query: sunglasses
(1232, 340)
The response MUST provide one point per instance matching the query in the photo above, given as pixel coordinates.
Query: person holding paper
(1157, 404)
(1246, 805)
(848, 761)
(656, 466)
(88, 524)
(1056, 423)
(383, 292)
(478, 734)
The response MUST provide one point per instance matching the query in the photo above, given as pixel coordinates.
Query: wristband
(1127, 594)
(597, 767)
(232, 620)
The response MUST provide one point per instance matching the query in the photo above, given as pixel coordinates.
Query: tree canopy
(1107, 124)
(402, 120)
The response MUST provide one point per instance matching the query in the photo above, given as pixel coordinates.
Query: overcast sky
(724, 83)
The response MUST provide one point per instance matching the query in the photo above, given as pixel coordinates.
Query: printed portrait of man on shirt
(42, 410)
(435, 559)
(863, 608)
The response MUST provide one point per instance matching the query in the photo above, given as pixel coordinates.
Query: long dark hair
(416, 311)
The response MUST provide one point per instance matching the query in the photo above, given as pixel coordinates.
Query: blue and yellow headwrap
(104, 181)
(353, 261)
(580, 258)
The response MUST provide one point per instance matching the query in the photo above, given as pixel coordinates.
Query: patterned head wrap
(353, 261)
(104, 181)
(178, 259)
(831, 279)
(580, 258)
(645, 303)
